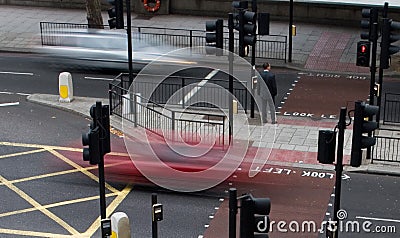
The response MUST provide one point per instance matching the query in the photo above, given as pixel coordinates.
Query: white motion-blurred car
(105, 49)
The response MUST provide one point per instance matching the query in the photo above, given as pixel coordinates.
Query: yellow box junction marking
(120, 195)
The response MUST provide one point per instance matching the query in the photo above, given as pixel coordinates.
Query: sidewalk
(317, 48)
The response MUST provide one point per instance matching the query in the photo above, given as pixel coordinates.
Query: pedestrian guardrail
(391, 111)
(387, 148)
(191, 127)
(178, 90)
(267, 47)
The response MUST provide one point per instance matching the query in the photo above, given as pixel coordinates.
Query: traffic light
(254, 217)
(98, 137)
(240, 5)
(92, 140)
(388, 37)
(247, 31)
(362, 112)
(116, 14)
(215, 34)
(370, 17)
(326, 146)
(363, 53)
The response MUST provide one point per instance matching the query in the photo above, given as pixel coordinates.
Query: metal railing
(391, 111)
(178, 90)
(387, 148)
(267, 47)
(185, 126)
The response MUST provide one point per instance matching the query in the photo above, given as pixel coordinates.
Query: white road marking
(9, 93)
(97, 78)
(16, 73)
(9, 104)
(192, 92)
(23, 94)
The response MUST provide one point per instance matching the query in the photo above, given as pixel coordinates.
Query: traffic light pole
(253, 63)
(374, 32)
(290, 30)
(380, 74)
(230, 59)
(233, 209)
(101, 171)
(339, 168)
(129, 33)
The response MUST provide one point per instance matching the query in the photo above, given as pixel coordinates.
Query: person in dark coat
(269, 79)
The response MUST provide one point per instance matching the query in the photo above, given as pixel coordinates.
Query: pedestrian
(269, 79)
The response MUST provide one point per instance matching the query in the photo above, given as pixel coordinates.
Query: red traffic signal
(363, 53)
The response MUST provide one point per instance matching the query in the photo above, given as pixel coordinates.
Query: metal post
(110, 96)
(230, 59)
(253, 63)
(290, 30)
(154, 228)
(183, 92)
(374, 32)
(101, 172)
(232, 212)
(379, 98)
(339, 167)
(135, 109)
(380, 75)
(129, 33)
(254, 6)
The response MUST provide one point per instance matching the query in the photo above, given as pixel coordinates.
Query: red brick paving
(328, 51)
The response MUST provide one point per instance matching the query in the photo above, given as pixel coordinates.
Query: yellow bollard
(65, 87)
(120, 226)
(294, 31)
(235, 107)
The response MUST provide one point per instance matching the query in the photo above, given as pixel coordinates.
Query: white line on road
(199, 85)
(23, 94)
(16, 73)
(9, 104)
(95, 78)
(378, 219)
(9, 93)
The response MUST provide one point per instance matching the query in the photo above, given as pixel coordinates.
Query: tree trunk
(93, 9)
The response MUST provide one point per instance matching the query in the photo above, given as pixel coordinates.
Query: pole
(232, 212)
(374, 32)
(253, 63)
(230, 59)
(290, 30)
(129, 33)
(154, 227)
(254, 6)
(339, 168)
(101, 172)
(380, 74)
(379, 99)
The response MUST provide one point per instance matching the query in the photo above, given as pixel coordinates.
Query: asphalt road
(46, 196)
(48, 191)
(372, 202)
